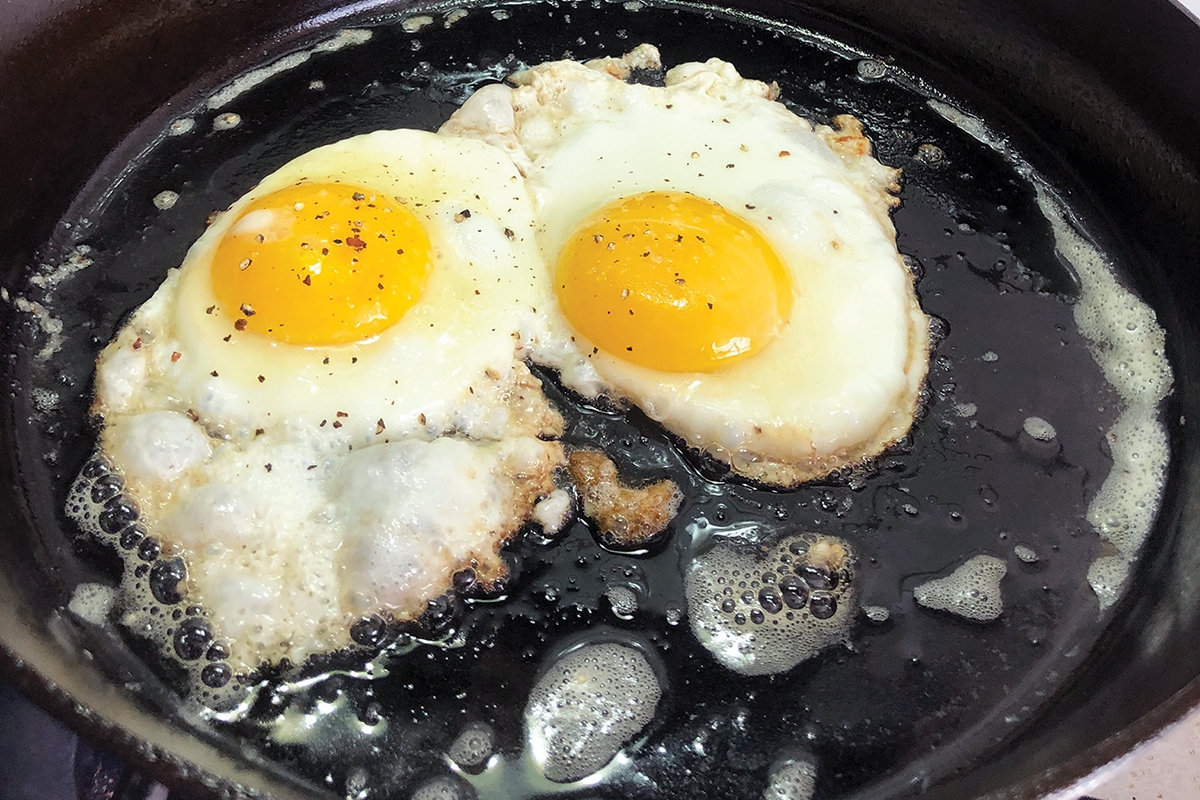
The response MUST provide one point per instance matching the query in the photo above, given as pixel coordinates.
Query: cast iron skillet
(1116, 91)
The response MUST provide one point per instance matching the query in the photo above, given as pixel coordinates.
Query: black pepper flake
(476, 291)
(753, 207)
(400, 252)
(192, 415)
(729, 166)
(245, 263)
(308, 280)
(259, 431)
(214, 374)
(630, 349)
(358, 196)
(709, 306)
(259, 238)
(680, 281)
(337, 424)
(240, 325)
(323, 423)
(509, 233)
(267, 467)
(380, 427)
(326, 361)
(311, 466)
(380, 285)
(337, 241)
(342, 414)
(597, 238)
(227, 337)
(210, 309)
(262, 379)
(324, 251)
(354, 359)
(247, 310)
(462, 215)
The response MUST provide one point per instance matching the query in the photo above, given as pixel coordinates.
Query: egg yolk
(320, 264)
(673, 282)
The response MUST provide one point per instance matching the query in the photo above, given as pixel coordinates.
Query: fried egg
(325, 410)
(715, 260)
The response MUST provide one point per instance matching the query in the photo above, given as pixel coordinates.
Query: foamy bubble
(1039, 429)
(793, 780)
(971, 591)
(1026, 554)
(92, 602)
(444, 788)
(473, 746)
(414, 24)
(877, 614)
(623, 601)
(165, 200)
(588, 704)
(763, 614)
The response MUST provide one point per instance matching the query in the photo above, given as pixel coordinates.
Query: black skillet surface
(275, 127)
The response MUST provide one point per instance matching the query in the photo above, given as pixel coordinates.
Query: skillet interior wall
(122, 61)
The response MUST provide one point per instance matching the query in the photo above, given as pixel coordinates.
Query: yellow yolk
(673, 282)
(321, 264)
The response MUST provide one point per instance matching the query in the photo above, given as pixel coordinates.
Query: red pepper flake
(356, 242)
(175, 356)
(323, 423)
(342, 414)
(137, 343)
(784, 153)
(308, 280)
(240, 325)
(337, 424)
(324, 251)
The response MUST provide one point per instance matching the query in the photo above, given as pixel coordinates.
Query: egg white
(448, 364)
(841, 381)
(306, 487)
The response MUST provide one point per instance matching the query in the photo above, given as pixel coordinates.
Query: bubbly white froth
(1130, 347)
(971, 591)
(587, 705)
(740, 611)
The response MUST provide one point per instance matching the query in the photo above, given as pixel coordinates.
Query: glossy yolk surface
(673, 282)
(321, 264)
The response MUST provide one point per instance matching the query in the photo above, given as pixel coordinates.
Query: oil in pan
(987, 549)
